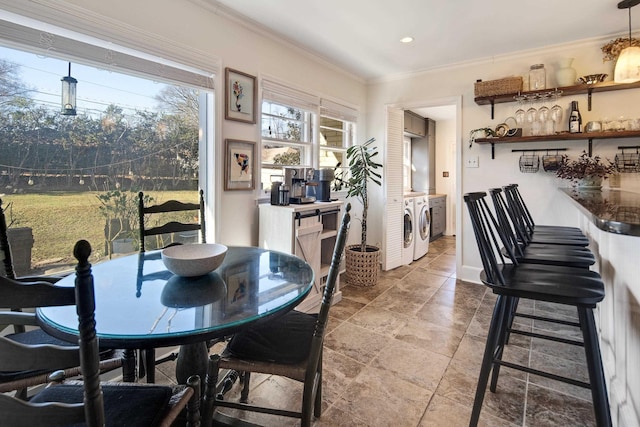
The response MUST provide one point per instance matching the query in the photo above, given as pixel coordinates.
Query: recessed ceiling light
(406, 40)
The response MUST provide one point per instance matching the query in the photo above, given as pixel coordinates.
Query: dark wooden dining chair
(31, 295)
(568, 286)
(90, 401)
(145, 213)
(166, 227)
(289, 346)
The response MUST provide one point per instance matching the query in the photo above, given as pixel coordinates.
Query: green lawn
(60, 219)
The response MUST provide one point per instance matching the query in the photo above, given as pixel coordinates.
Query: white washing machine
(408, 244)
(422, 226)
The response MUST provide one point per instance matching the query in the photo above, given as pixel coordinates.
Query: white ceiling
(362, 36)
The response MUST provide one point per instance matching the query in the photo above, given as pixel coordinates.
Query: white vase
(565, 75)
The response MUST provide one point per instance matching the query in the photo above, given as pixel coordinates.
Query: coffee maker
(296, 179)
(320, 186)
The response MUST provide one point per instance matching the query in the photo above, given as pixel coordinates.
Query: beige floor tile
(439, 339)
(380, 399)
(446, 412)
(356, 342)
(548, 408)
(379, 320)
(411, 363)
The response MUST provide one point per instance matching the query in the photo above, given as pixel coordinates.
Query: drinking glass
(531, 118)
(556, 116)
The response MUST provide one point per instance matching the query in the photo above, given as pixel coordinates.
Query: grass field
(58, 220)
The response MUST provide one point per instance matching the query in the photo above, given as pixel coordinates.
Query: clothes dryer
(422, 226)
(408, 245)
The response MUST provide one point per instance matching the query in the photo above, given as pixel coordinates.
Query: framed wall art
(239, 164)
(241, 93)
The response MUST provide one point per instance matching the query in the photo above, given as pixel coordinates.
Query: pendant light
(68, 94)
(628, 64)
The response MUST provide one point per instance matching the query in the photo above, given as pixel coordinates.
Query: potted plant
(362, 260)
(586, 171)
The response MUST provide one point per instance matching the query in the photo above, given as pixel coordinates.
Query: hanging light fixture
(69, 94)
(628, 64)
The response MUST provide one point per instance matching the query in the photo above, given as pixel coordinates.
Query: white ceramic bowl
(193, 259)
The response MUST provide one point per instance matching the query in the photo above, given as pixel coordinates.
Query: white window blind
(102, 54)
(338, 111)
(284, 95)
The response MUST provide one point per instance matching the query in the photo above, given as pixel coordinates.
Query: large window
(134, 131)
(290, 136)
(286, 140)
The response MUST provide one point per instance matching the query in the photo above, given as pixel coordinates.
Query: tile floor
(407, 352)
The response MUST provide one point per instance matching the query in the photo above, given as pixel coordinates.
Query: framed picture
(241, 93)
(239, 164)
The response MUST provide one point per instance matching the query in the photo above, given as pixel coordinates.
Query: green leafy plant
(120, 210)
(362, 168)
(584, 167)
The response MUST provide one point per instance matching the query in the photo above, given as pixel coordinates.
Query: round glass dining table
(141, 305)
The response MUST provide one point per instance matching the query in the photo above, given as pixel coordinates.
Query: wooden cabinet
(414, 124)
(308, 231)
(437, 205)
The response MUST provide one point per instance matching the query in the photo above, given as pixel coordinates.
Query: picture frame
(241, 93)
(239, 165)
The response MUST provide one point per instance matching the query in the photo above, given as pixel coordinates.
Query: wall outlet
(473, 162)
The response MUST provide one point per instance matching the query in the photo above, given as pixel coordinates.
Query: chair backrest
(327, 296)
(485, 229)
(5, 250)
(18, 356)
(513, 238)
(172, 226)
(523, 220)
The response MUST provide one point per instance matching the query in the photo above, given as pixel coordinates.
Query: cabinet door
(307, 247)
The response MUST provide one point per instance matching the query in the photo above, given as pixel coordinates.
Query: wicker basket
(362, 268)
(499, 87)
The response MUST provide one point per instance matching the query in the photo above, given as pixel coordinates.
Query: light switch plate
(473, 162)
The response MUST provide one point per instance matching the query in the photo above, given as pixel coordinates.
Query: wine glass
(531, 117)
(519, 116)
(556, 116)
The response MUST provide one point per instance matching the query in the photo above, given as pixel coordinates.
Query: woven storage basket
(499, 87)
(362, 268)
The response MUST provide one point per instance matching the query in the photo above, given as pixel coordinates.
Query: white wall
(182, 28)
(539, 189)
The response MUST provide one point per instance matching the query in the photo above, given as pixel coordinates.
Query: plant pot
(362, 268)
(590, 183)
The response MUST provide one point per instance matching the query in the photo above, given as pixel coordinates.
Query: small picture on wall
(239, 165)
(240, 96)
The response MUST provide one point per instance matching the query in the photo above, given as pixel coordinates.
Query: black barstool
(577, 287)
(529, 232)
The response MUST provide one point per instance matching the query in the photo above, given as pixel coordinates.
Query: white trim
(64, 16)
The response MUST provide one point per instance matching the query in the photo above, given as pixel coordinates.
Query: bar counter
(611, 220)
(614, 211)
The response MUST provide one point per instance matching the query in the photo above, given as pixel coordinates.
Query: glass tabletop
(139, 303)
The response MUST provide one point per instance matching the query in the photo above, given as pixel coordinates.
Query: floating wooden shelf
(566, 91)
(565, 136)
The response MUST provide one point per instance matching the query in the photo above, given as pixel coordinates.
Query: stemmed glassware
(556, 112)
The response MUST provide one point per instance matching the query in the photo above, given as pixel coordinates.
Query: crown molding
(221, 10)
(71, 19)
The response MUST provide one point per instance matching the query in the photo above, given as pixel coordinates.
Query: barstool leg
(507, 320)
(594, 366)
(500, 310)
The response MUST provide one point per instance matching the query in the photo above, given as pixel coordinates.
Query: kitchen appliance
(296, 179)
(408, 245)
(320, 186)
(422, 231)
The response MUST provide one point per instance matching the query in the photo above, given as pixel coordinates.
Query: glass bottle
(575, 119)
(537, 77)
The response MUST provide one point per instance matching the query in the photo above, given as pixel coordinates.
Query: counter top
(436, 196)
(614, 211)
